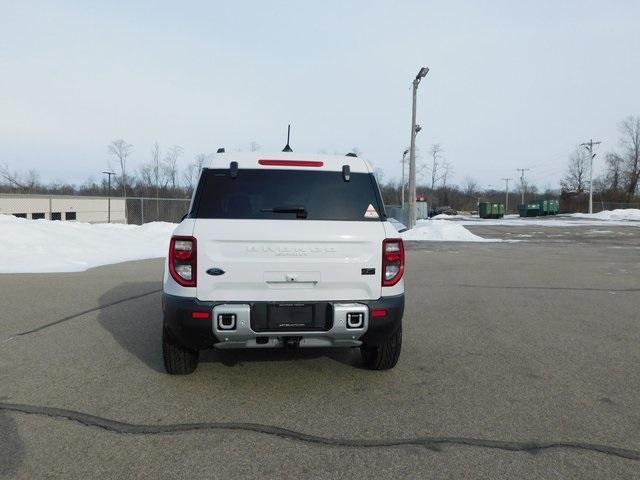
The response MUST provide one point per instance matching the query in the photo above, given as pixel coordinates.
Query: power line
(589, 146)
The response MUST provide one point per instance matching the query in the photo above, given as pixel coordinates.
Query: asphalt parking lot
(520, 360)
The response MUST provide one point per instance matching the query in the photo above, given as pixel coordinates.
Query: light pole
(412, 152)
(522, 184)
(589, 146)
(506, 196)
(404, 155)
(109, 195)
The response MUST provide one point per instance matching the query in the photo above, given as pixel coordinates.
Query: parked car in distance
(443, 210)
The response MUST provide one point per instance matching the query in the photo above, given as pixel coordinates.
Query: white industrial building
(64, 208)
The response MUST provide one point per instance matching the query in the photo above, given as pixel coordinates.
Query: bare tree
(470, 189)
(254, 146)
(613, 174)
(437, 164)
(192, 172)
(11, 178)
(156, 167)
(26, 182)
(446, 170)
(171, 165)
(379, 174)
(121, 151)
(630, 143)
(202, 159)
(145, 177)
(32, 179)
(576, 178)
(470, 186)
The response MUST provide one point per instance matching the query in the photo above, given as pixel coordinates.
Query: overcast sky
(512, 84)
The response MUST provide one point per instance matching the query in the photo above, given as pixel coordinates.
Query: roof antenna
(287, 148)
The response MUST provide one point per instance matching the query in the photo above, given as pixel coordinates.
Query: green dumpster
(529, 209)
(490, 210)
(484, 210)
(543, 206)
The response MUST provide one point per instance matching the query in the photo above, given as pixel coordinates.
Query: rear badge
(215, 271)
(368, 271)
(371, 212)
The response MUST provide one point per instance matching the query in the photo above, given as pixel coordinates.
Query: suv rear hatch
(288, 235)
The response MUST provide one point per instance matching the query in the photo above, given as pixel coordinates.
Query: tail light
(392, 261)
(182, 260)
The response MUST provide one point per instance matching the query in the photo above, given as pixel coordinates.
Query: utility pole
(506, 197)
(404, 155)
(109, 195)
(412, 152)
(589, 146)
(522, 170)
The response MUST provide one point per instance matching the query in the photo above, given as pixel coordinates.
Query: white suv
(285, 251)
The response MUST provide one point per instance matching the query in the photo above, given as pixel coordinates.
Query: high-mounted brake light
(183, 260)
(291, 163)
(392, 261)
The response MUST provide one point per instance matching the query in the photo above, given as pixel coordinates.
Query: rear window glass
(287, 195)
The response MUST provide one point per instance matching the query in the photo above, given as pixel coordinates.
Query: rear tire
(178, 360)
(385, 355)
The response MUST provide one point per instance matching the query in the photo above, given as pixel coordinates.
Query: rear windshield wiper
(300, 212)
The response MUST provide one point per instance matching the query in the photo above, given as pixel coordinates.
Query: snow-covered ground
(30, 246)
(41, 246)
(442, 231)
(627, 214)
(621, 217)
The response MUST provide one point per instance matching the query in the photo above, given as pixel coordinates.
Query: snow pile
(29, 246)
(442, 231)
(618, 218)
(628, 214)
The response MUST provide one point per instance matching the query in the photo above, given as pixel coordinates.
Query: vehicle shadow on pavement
(232, 358)
(135, 322)
(11, 446)
(136, 325)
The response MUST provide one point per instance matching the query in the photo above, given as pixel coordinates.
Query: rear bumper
(204, 333)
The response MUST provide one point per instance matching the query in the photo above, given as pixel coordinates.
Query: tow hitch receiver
(291, 343)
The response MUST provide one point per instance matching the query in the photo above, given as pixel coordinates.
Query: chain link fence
(132, 210)
(573, 203)
(144, 210)
(599, 206)
(402, 215)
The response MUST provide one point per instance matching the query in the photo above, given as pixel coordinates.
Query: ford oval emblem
(215, 271)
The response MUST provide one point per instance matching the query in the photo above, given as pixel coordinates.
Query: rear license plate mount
(290, 316)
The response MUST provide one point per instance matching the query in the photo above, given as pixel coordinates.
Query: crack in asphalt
(431, 442)
(79, 314)
(576, 289)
